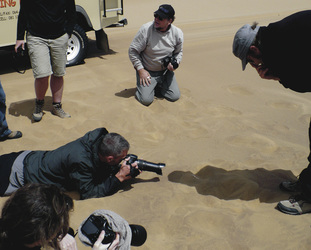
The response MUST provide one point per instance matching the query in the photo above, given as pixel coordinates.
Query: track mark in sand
(264, 127)
(304, 119)
(222, 111)
(236, 89)
(283, 105)
(154, 136)
(253, 141)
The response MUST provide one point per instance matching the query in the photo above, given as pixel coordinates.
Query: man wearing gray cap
(155, 52)
(281, 51)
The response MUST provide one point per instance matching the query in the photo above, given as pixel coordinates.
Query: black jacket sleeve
(70, 16)
(22, 21)
(82, 177)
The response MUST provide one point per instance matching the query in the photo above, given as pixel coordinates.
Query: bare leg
(41, 86)
(57, 87)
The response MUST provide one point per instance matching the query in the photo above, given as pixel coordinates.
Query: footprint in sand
(304, 119)
(283, 105)
(222, 111)
(236, 89)
(253, 141)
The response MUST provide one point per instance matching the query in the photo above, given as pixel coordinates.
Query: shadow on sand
(124, 188)
(128, 185)
(126, 93)
(245, 185)
(26, 107)
(93, 51)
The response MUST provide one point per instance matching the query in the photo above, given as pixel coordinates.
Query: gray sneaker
(294, 206)
(291, 186)
(38, 113)
(58, 111)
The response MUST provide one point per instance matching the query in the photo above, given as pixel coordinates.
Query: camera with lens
(93, 226)
(144, 165)
(170, 59)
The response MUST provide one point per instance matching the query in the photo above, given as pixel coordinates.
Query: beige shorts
(47, 56)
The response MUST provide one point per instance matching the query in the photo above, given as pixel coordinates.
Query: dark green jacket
(74, 166)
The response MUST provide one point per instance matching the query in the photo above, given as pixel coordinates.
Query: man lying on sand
(281, 51)
(89, 165)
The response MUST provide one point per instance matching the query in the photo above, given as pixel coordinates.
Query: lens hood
(139, 235)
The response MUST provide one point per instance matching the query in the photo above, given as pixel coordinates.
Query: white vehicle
(92, 15)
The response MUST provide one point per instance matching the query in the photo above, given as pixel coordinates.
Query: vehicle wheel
(77, 46)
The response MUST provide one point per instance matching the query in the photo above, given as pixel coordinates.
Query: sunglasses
(158, 17)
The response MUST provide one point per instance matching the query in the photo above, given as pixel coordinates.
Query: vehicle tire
(77, 46)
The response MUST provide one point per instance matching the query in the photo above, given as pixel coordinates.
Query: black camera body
(145, 165)
(93, 226)
(20, 52)
(170, 59)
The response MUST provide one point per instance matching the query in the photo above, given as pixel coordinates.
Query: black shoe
(291, 186)
(13, 135)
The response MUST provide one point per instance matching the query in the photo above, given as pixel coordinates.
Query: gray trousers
(167, 83)
(16, 179)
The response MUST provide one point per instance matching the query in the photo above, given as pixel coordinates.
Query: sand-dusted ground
(227, 143)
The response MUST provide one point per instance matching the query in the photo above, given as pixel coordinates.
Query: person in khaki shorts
(49, 24)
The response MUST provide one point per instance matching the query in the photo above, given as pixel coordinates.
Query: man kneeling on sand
(89, 165)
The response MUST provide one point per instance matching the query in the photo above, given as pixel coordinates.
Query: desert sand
(227, 143)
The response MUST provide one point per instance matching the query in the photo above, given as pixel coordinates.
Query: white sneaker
(294, 206)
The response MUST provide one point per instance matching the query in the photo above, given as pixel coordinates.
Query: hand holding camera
(98, 245)
(132, 166)
(169, 63)
(105, 229)
(125, 170)
(143, 166)
(19, 46)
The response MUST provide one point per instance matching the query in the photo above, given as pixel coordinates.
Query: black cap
(165, 11)
(139, 235)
